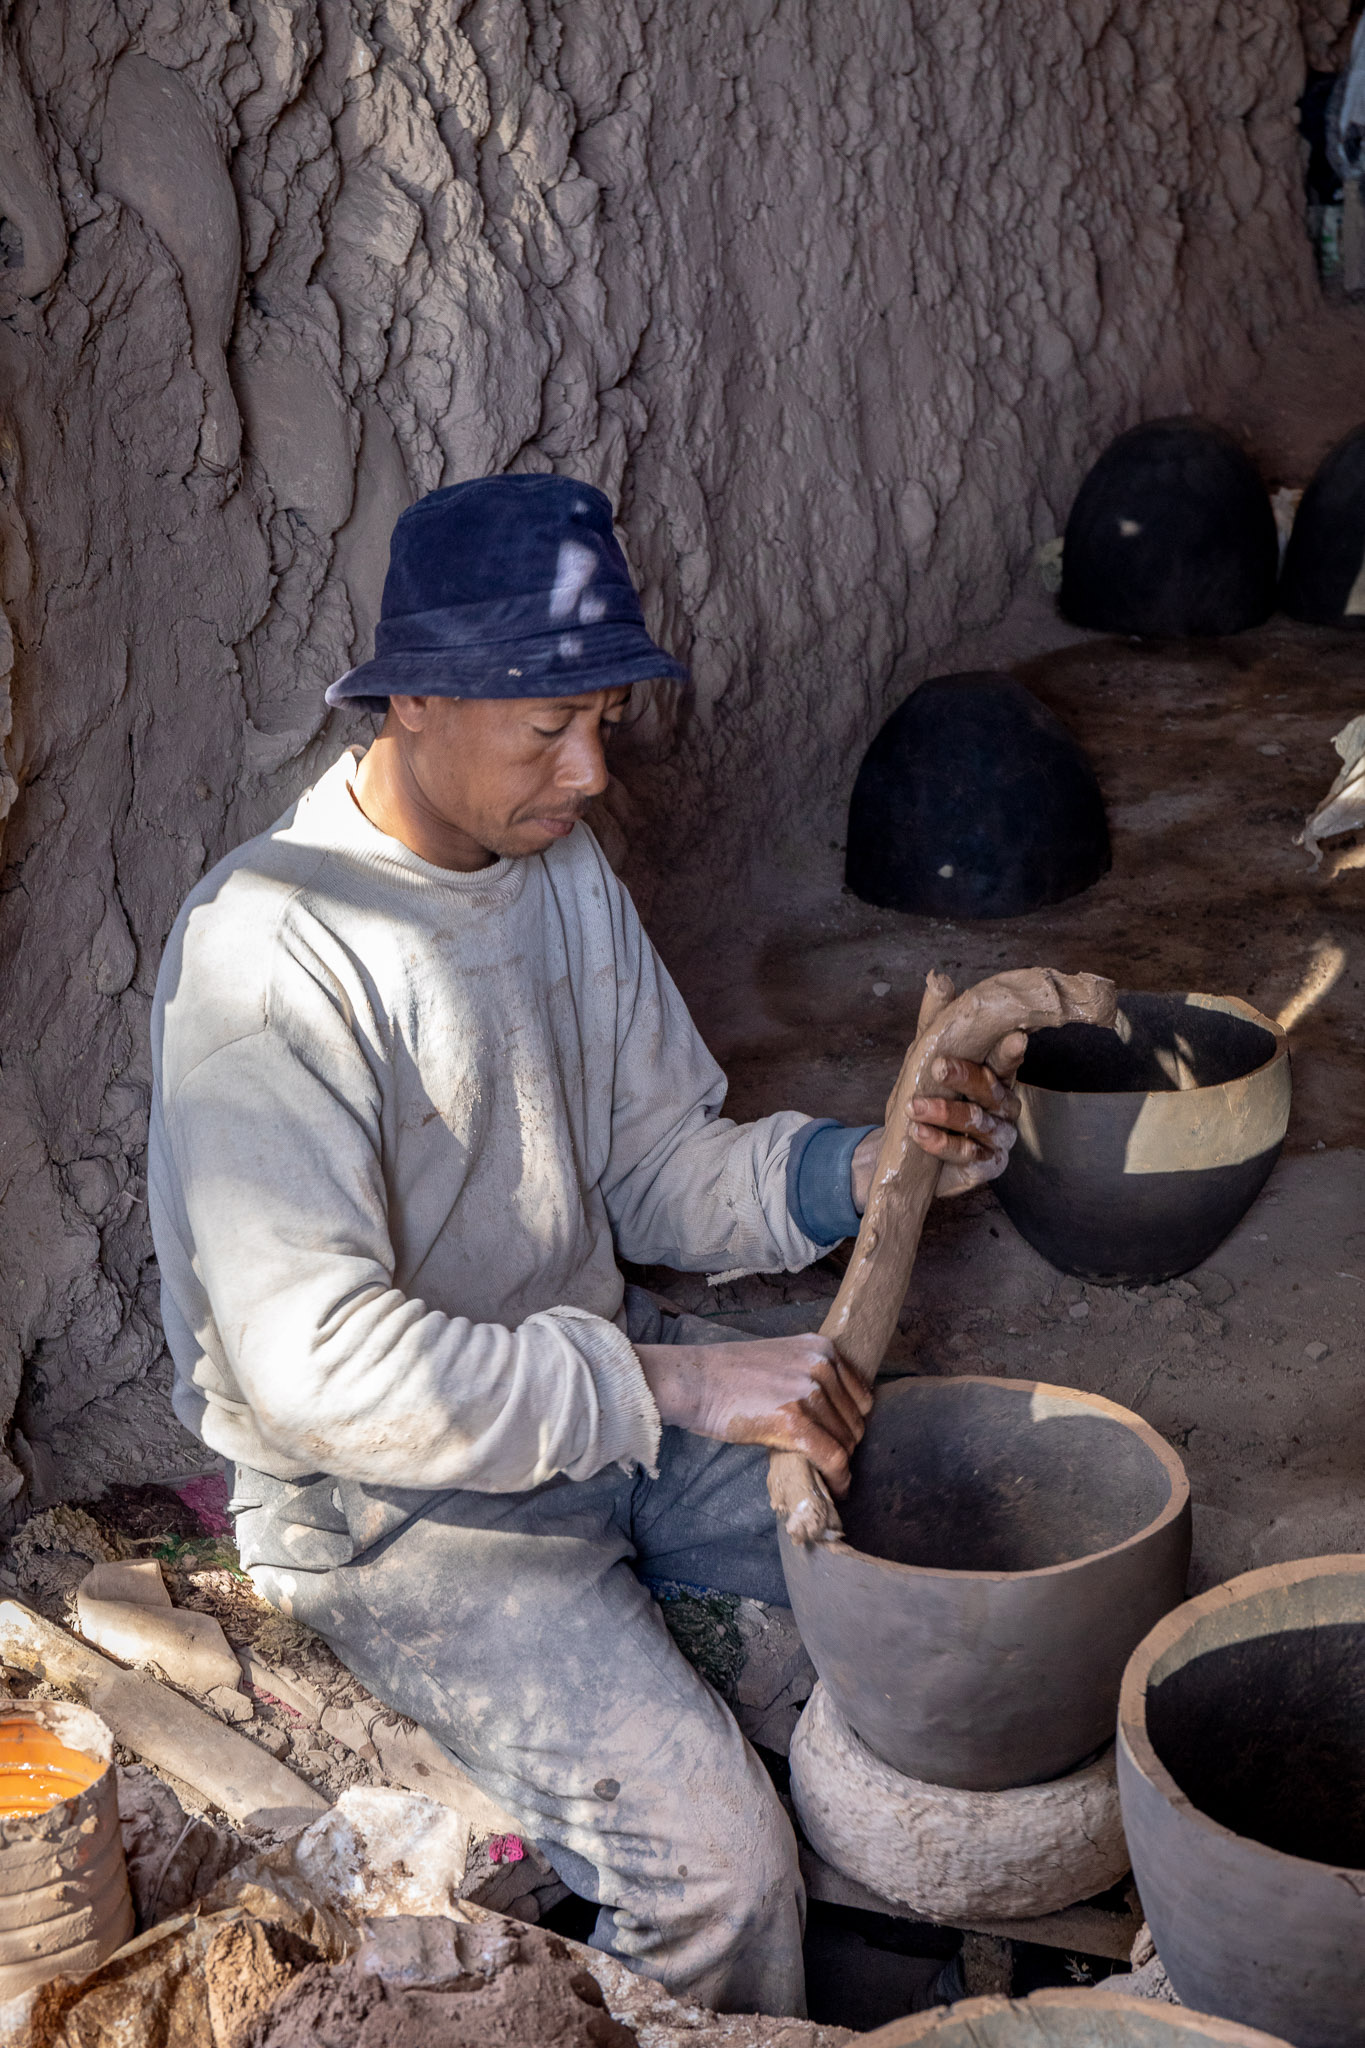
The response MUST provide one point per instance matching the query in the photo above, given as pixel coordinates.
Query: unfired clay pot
(1242, 1776)
(1006, 1544)
(1064, 2019)
(1140, 1148)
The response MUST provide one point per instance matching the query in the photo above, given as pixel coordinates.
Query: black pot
(1172, 533)
(974, 801)
(1241, 1762)
(1140, 1148)
(1324, 565)
(1006, 1544)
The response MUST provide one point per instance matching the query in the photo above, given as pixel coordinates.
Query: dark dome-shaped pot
(1140, 1148)
(1171, 534)
(1005, 1545)
(974, 801)
(1324, 565)
(1064, 2019)
(1242, 1774)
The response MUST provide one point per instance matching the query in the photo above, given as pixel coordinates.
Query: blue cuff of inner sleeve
(819, 1179)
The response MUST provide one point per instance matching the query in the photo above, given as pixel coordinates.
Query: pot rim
(1180, 2020)
(1233, 1004)
(1176, 1505)
(1133, 1739)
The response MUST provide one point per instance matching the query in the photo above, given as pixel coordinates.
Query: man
(420, 1078)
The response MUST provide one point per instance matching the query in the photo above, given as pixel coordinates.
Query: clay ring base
(949, 1854)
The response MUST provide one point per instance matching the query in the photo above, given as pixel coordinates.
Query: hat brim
(449, 674)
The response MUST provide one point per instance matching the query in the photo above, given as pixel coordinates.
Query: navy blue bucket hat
(508, 586)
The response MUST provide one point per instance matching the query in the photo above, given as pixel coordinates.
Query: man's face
(509, 775)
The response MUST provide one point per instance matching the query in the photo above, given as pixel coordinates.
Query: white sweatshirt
(403, 1121)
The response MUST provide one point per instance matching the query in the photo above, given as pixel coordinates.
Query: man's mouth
(557, 823)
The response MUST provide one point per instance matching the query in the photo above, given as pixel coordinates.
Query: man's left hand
(971, 1130)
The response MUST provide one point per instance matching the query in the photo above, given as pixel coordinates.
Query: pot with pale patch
(1142, 1146)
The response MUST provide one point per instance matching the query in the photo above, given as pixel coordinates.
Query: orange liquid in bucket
(37, 1771)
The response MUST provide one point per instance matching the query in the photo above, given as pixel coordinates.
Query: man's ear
(411, 712)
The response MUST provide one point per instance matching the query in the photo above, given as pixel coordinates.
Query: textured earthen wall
(837, 300)
(1327, 29)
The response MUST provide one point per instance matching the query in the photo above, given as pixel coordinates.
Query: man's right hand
(791, 1393)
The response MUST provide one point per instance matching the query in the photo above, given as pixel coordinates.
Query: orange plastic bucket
(64, 1903)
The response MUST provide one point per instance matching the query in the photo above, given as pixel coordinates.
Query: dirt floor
(1210, 754)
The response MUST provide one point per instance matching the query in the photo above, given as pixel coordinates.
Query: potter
(420, 1081)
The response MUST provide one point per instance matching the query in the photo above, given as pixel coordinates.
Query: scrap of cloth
(1343, 807)
(507, 586)
(403, 1121)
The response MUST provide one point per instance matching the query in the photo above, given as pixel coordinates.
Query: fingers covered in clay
(801, 1500)
(960, 1178)
(791, 1393)
(971, 1131)
(977, 1082)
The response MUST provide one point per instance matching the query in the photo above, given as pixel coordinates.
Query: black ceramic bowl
(1242, 1778)
(1141, 1147)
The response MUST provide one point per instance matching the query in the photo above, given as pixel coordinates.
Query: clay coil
(865, 1310)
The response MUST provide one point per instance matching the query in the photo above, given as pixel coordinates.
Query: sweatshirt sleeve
(274, 1141)
(685, 1186)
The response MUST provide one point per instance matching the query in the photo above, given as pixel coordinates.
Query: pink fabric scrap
(258, 1693)
(208, 1498)
(505, 1848)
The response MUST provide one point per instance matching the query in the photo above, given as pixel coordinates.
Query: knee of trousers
(734, 1857)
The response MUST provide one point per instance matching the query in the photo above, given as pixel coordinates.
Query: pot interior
(1160, 1043)
(963, 1475)
(1265, 1737)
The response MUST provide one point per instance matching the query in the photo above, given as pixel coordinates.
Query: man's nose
(583, 763)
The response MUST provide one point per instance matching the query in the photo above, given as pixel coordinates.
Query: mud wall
(836, 301)
(1327, 29)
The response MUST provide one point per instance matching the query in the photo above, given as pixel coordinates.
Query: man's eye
(549, 732)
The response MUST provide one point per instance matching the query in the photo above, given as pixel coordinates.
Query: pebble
(1315, 1351)
(1271, 747)
(1078, 1310)
(881, 988)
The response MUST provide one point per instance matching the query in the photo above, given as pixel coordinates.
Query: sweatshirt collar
(330, 812)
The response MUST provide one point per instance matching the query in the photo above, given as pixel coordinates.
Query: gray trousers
(519, 1629)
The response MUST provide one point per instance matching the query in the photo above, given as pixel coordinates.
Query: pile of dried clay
(433, 1983)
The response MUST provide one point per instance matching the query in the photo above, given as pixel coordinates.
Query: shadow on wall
(837, 307)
